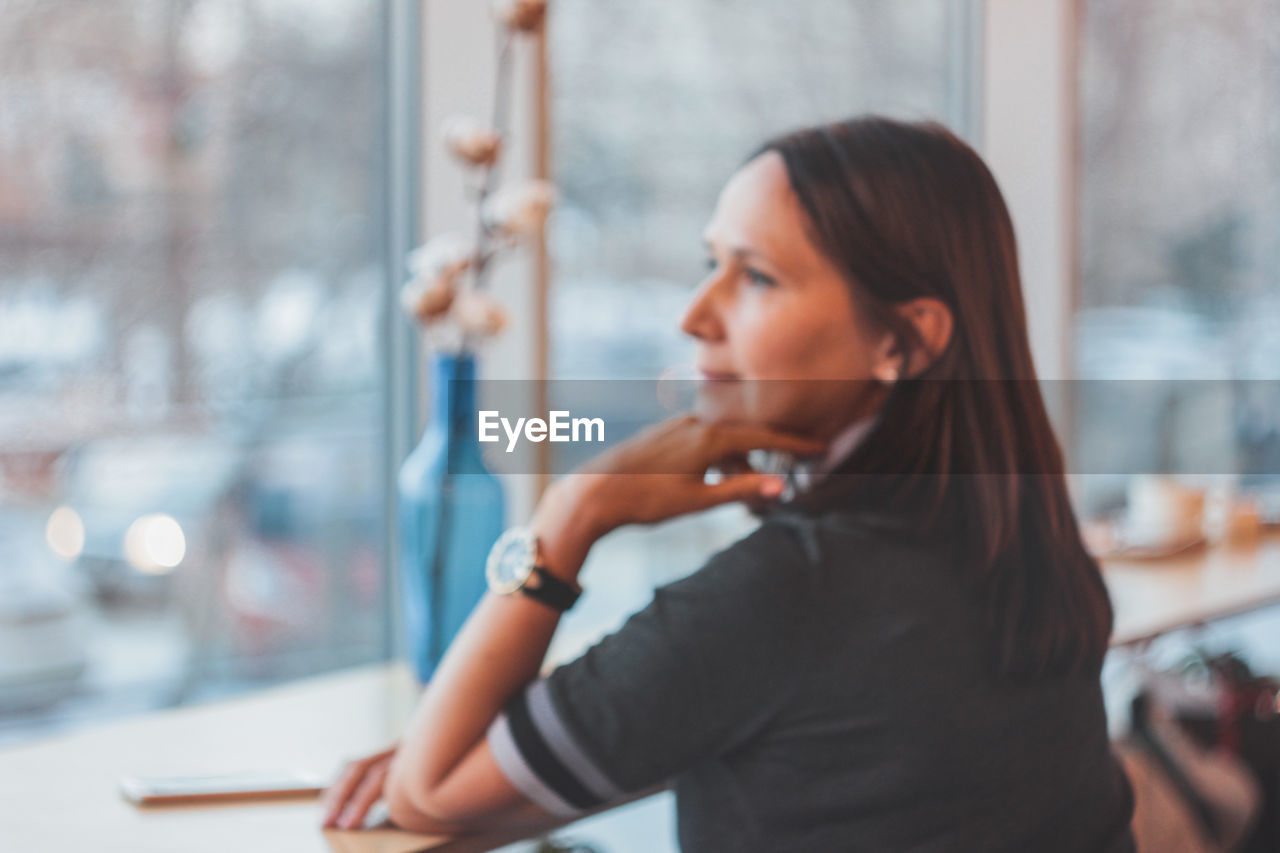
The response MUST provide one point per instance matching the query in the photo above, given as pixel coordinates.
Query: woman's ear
(933, 322)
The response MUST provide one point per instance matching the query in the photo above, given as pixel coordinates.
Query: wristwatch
(513, 567)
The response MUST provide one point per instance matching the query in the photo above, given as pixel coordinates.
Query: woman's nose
(702, 318)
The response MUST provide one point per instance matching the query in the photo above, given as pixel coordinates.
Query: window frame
(1030, 141)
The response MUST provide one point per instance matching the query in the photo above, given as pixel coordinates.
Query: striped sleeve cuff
(534, 749)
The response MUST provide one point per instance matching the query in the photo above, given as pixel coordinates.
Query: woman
(906, 655)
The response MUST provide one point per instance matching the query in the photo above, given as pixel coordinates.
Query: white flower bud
(427, 299)
(478, 313)
(444, 254)
(470, 141)
(520, 209)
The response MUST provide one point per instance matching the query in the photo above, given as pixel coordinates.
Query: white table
(61, 794)
(1154, 597)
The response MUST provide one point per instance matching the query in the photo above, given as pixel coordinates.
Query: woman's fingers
(681, 450)
(733, 465)
(338, 795)
(751, 488)
(368, 793)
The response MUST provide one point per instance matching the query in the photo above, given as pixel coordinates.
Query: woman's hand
(347, 801)
(659, 473)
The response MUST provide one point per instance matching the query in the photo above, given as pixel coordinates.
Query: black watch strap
(551, 590)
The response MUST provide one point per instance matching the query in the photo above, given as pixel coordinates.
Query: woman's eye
(753, 275)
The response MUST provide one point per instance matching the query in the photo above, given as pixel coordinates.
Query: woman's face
(779, 340)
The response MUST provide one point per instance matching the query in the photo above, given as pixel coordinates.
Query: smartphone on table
(171, 790)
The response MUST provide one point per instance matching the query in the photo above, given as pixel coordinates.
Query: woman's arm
(443, 769)
(443, 774)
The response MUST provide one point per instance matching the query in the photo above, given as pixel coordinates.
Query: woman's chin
(753, 403)
(721, 402)
(714, 412)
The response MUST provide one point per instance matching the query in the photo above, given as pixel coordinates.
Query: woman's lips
(716, 376)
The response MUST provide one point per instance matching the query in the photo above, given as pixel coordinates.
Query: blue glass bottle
(451, 511)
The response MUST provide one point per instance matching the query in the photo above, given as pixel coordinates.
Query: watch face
(511, 560)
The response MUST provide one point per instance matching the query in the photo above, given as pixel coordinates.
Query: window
(653, 105)
(192, 211)
(1179, 241)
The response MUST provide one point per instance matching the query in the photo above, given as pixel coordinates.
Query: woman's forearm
(498, 651)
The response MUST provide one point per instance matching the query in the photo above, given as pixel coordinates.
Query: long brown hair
(908, 210)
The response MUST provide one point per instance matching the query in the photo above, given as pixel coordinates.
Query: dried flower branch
(449, 272)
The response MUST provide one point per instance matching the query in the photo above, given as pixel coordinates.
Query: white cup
(1163, 510)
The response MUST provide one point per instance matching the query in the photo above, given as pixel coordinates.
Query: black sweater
(823, 685)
